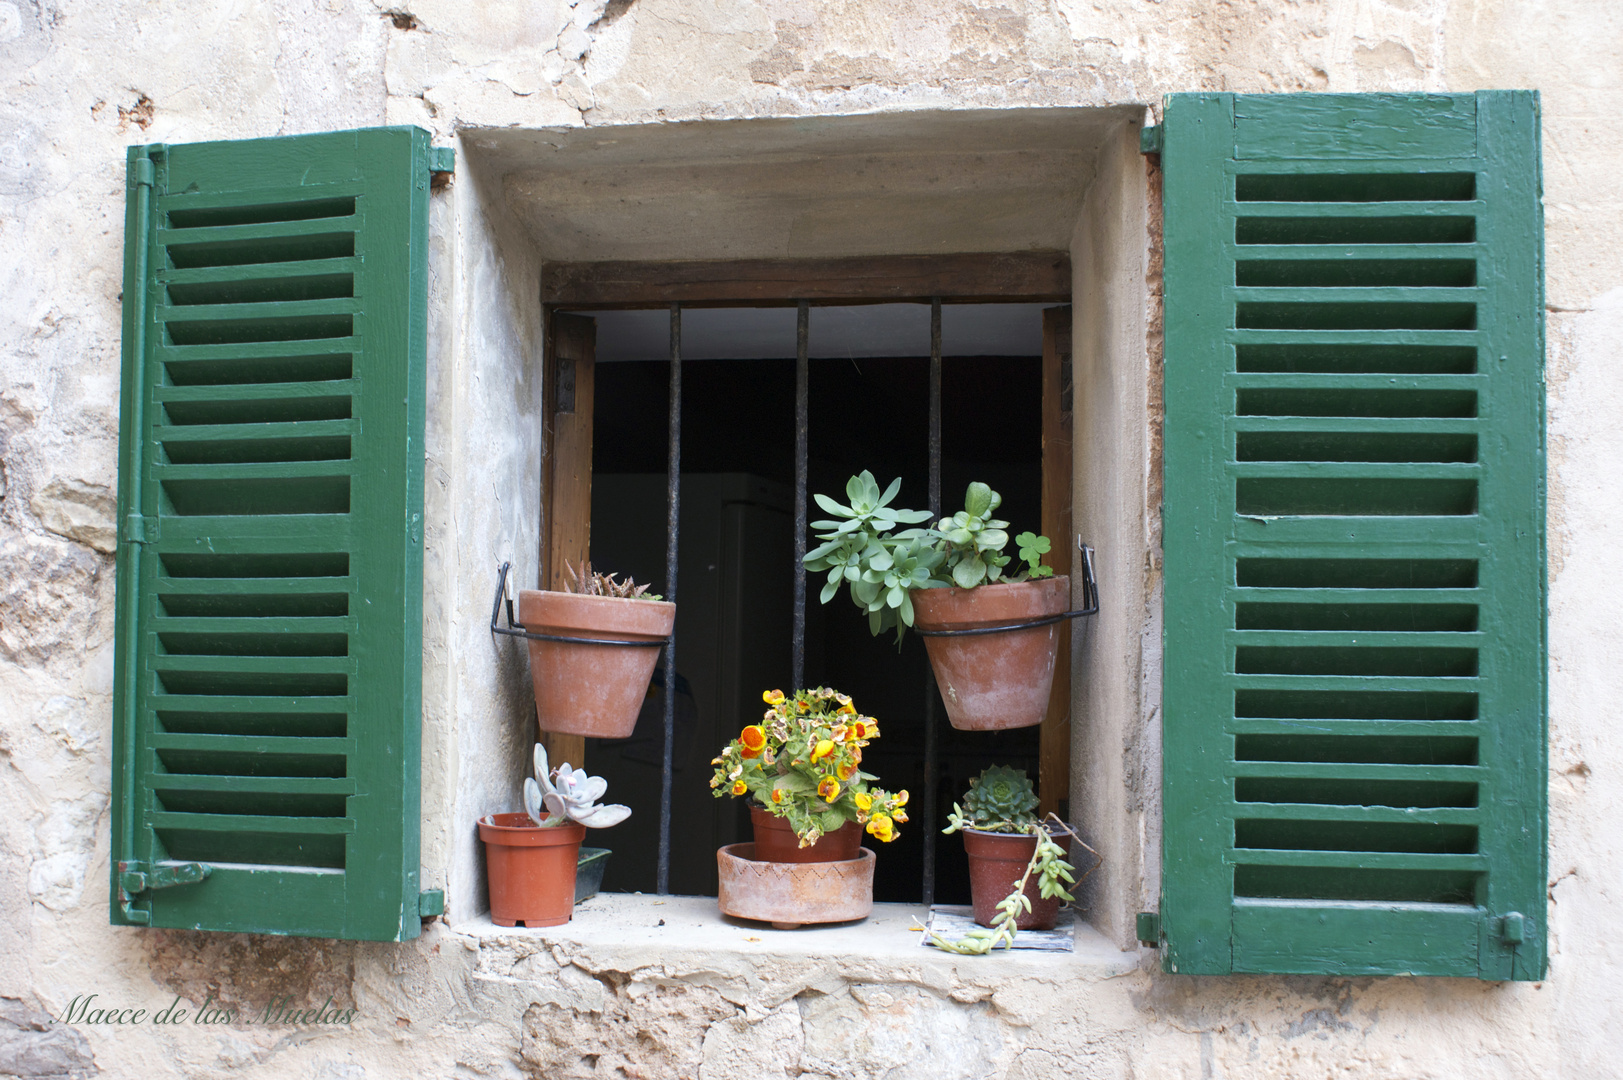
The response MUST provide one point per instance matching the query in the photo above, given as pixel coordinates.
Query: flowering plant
(803, 761)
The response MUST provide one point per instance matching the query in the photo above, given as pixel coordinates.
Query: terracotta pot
(775, 841)
(594, 690)
(531, 870)
(789, 895)
(990, 682)
(996, 861)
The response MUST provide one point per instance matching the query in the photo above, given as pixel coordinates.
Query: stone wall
(79, 81)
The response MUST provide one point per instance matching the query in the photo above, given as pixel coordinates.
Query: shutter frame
(1347, 462)
(267, 706)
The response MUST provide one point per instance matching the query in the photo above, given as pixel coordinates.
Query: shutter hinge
(441, 167)
(132, 878)
(143, 174)
(431, 902)
(1149, 929)
(1151, 139)
(139, 529)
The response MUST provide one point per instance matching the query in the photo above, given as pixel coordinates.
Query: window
(868, 391)
(1355, 651)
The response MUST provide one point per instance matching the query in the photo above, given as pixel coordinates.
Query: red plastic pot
(990, 682)
(996, 861)
(531, 870)
(775, 841)
(592, 690)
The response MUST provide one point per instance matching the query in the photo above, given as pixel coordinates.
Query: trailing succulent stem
(862, 548)
(1048, 863)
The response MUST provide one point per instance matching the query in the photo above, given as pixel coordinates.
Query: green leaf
(890, 492)
(968, 573)
(895, 596)
(978, 499)
(832, 507)
(830, 591)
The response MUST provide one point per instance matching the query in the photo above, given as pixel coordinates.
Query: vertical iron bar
(673, 496)
(931, 749)
(797, 652)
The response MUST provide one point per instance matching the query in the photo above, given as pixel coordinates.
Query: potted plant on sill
(1017, 870)
(945, 580)
(589, 689)
(810, 804)
(531, 856)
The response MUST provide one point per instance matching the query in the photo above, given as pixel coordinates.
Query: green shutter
(1354, 711)
(269, 630)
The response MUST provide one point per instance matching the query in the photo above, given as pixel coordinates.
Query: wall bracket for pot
(1090, 606)
(517, 629)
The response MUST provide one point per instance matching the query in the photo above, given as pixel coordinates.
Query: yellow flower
(754, 740)
(880, 828)
(864, 801)
(864, 729)
(802, 706)
(824, 749)
(839, 733)
(900, 798)
(739, 787)
(845, 770)
(847, 709)
(772, 697)
(828, 788)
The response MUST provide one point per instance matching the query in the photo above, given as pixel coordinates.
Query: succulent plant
(591, 583)
(568, 794)
(1000, 799)
(882, 566)
(975, 539)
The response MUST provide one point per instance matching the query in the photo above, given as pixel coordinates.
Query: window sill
(640, 925)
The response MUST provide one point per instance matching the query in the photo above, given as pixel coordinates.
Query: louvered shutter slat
(1354, 691)
(270, 629)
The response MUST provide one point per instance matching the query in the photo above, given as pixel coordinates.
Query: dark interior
(735, 584)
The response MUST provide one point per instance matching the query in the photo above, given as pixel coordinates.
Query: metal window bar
(932, 735)
(673, 501)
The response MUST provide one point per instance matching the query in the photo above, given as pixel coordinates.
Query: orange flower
(777, 794)
(848, 709)
(863, 729)
(828, 788)
(772, 697)
(739, 787)
(754, 740)
(839, 733)
(845, 770)
(823, 749)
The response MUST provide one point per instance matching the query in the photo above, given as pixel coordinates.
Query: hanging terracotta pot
(775, 841)
(996, 861)
(531, 870)
(990, 682)
(592, 690)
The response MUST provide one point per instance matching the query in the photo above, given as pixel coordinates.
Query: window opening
(763, 406)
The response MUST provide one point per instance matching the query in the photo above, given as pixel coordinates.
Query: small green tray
(589, 872)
